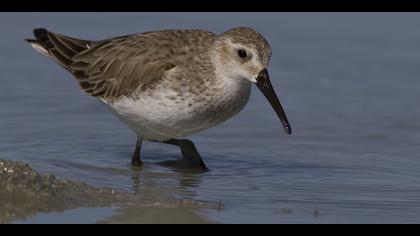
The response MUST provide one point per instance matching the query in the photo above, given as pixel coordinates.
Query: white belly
(161, 114)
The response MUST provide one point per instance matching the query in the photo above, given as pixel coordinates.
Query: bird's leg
(189, 152)
(136, 160)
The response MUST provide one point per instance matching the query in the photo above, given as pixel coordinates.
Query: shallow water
(349, 83)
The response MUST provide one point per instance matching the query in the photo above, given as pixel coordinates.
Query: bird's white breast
(165, 113)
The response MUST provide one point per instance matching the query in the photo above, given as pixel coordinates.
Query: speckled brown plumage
(126, 65)
(120, 66)
(250, 38)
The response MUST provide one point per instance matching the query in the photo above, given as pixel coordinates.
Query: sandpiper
(171, 83)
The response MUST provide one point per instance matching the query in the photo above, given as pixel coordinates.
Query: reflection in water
(184, 177)
(161, 215)
(25, 193)
(135, 177)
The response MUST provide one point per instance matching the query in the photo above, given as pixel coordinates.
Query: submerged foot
(189, 152)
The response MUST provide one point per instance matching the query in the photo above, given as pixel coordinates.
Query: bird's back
(122, 66)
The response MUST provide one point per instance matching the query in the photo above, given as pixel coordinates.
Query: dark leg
(189, 152)
(136, 161)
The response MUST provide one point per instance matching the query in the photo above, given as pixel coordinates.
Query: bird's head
(243, 54)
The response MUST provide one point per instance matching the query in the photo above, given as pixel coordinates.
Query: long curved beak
(264, 84)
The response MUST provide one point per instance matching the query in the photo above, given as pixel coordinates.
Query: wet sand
(25, 192)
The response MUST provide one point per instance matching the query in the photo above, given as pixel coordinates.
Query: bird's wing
(111, 68)
(120, 67)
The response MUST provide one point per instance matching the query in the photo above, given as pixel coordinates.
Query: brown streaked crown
(250, 38)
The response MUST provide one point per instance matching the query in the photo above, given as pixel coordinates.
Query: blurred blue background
(349, 83)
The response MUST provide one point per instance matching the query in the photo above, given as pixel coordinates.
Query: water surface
(349, 83)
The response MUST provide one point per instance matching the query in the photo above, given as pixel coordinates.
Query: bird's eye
(242, 53)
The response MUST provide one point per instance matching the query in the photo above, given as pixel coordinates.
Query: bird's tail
(59, 47)
(37, 46)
